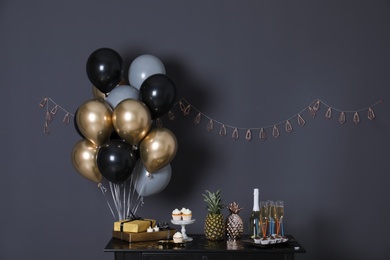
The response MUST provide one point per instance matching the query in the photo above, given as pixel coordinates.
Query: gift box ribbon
(131, 218)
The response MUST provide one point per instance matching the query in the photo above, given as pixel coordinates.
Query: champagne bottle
(254, 221)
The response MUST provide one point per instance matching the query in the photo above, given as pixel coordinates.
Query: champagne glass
(271, 216)
(264, 217)
(279, 213)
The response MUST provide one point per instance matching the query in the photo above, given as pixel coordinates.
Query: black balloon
(104, 69)
(115, 136)
(116, 160)
(158, 92)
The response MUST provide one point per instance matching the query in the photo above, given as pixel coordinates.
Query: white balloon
(143, 67)
(120, 93)
(146, 183)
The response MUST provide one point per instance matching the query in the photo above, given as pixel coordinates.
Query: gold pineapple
(234, 223)
(214, 227)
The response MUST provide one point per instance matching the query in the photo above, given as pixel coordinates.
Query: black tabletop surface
(201, 244)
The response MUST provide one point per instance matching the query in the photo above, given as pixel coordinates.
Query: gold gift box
(144, 236)
(135, 226)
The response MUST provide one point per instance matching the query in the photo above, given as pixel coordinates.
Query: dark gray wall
(243, 63)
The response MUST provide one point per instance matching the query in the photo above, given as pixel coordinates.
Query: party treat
(149, 230)
(178, 237)
(176, 214)
(187, 214)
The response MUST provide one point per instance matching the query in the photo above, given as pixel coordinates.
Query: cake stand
(183, 224)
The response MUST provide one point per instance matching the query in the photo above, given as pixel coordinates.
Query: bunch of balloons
(116, 124)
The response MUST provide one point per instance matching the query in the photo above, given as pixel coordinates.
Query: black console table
(202, 249)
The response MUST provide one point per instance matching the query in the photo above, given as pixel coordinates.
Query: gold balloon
(93, 119)
(84, 160)
(97, 93)
(158, 149)
(132, 120)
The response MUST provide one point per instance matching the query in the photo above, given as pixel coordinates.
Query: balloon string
(114, 199)
(104, 190)
(140, 201)
(133, 195)
(139, 198)
(129, 196)
(118, 198)
(124, 199)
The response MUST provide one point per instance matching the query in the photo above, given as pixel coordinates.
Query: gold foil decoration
(300, 120)
(328, 114)
(222, 131)
(186, 110)
(197, 118)
(316, 106)
(248, 135)
(182, 106)
(66, 119)
(43, 102)
(311, 112)
(159, 122)
(342, 118)
(46, 128)
(48, 117)
(235, 134)
(275, 132)
(288, 127)
(262, 135)
(370, 114)
(356, 118)
(210, 125)
(171, 116)
(54, 110)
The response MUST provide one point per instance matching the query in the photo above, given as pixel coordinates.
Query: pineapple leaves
(213, 202)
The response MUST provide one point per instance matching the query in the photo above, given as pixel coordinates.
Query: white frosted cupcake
(178, 237)
(176, 214)
(187, 214)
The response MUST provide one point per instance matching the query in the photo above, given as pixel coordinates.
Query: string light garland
(185, 107)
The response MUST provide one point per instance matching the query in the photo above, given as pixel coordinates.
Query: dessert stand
(183, 224)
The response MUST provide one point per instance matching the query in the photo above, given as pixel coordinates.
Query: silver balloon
(146, 183)
(120, 93)
(143, 67)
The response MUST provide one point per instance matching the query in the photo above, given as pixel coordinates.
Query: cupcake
(187, 214)
(176, 214)
(178, 237)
